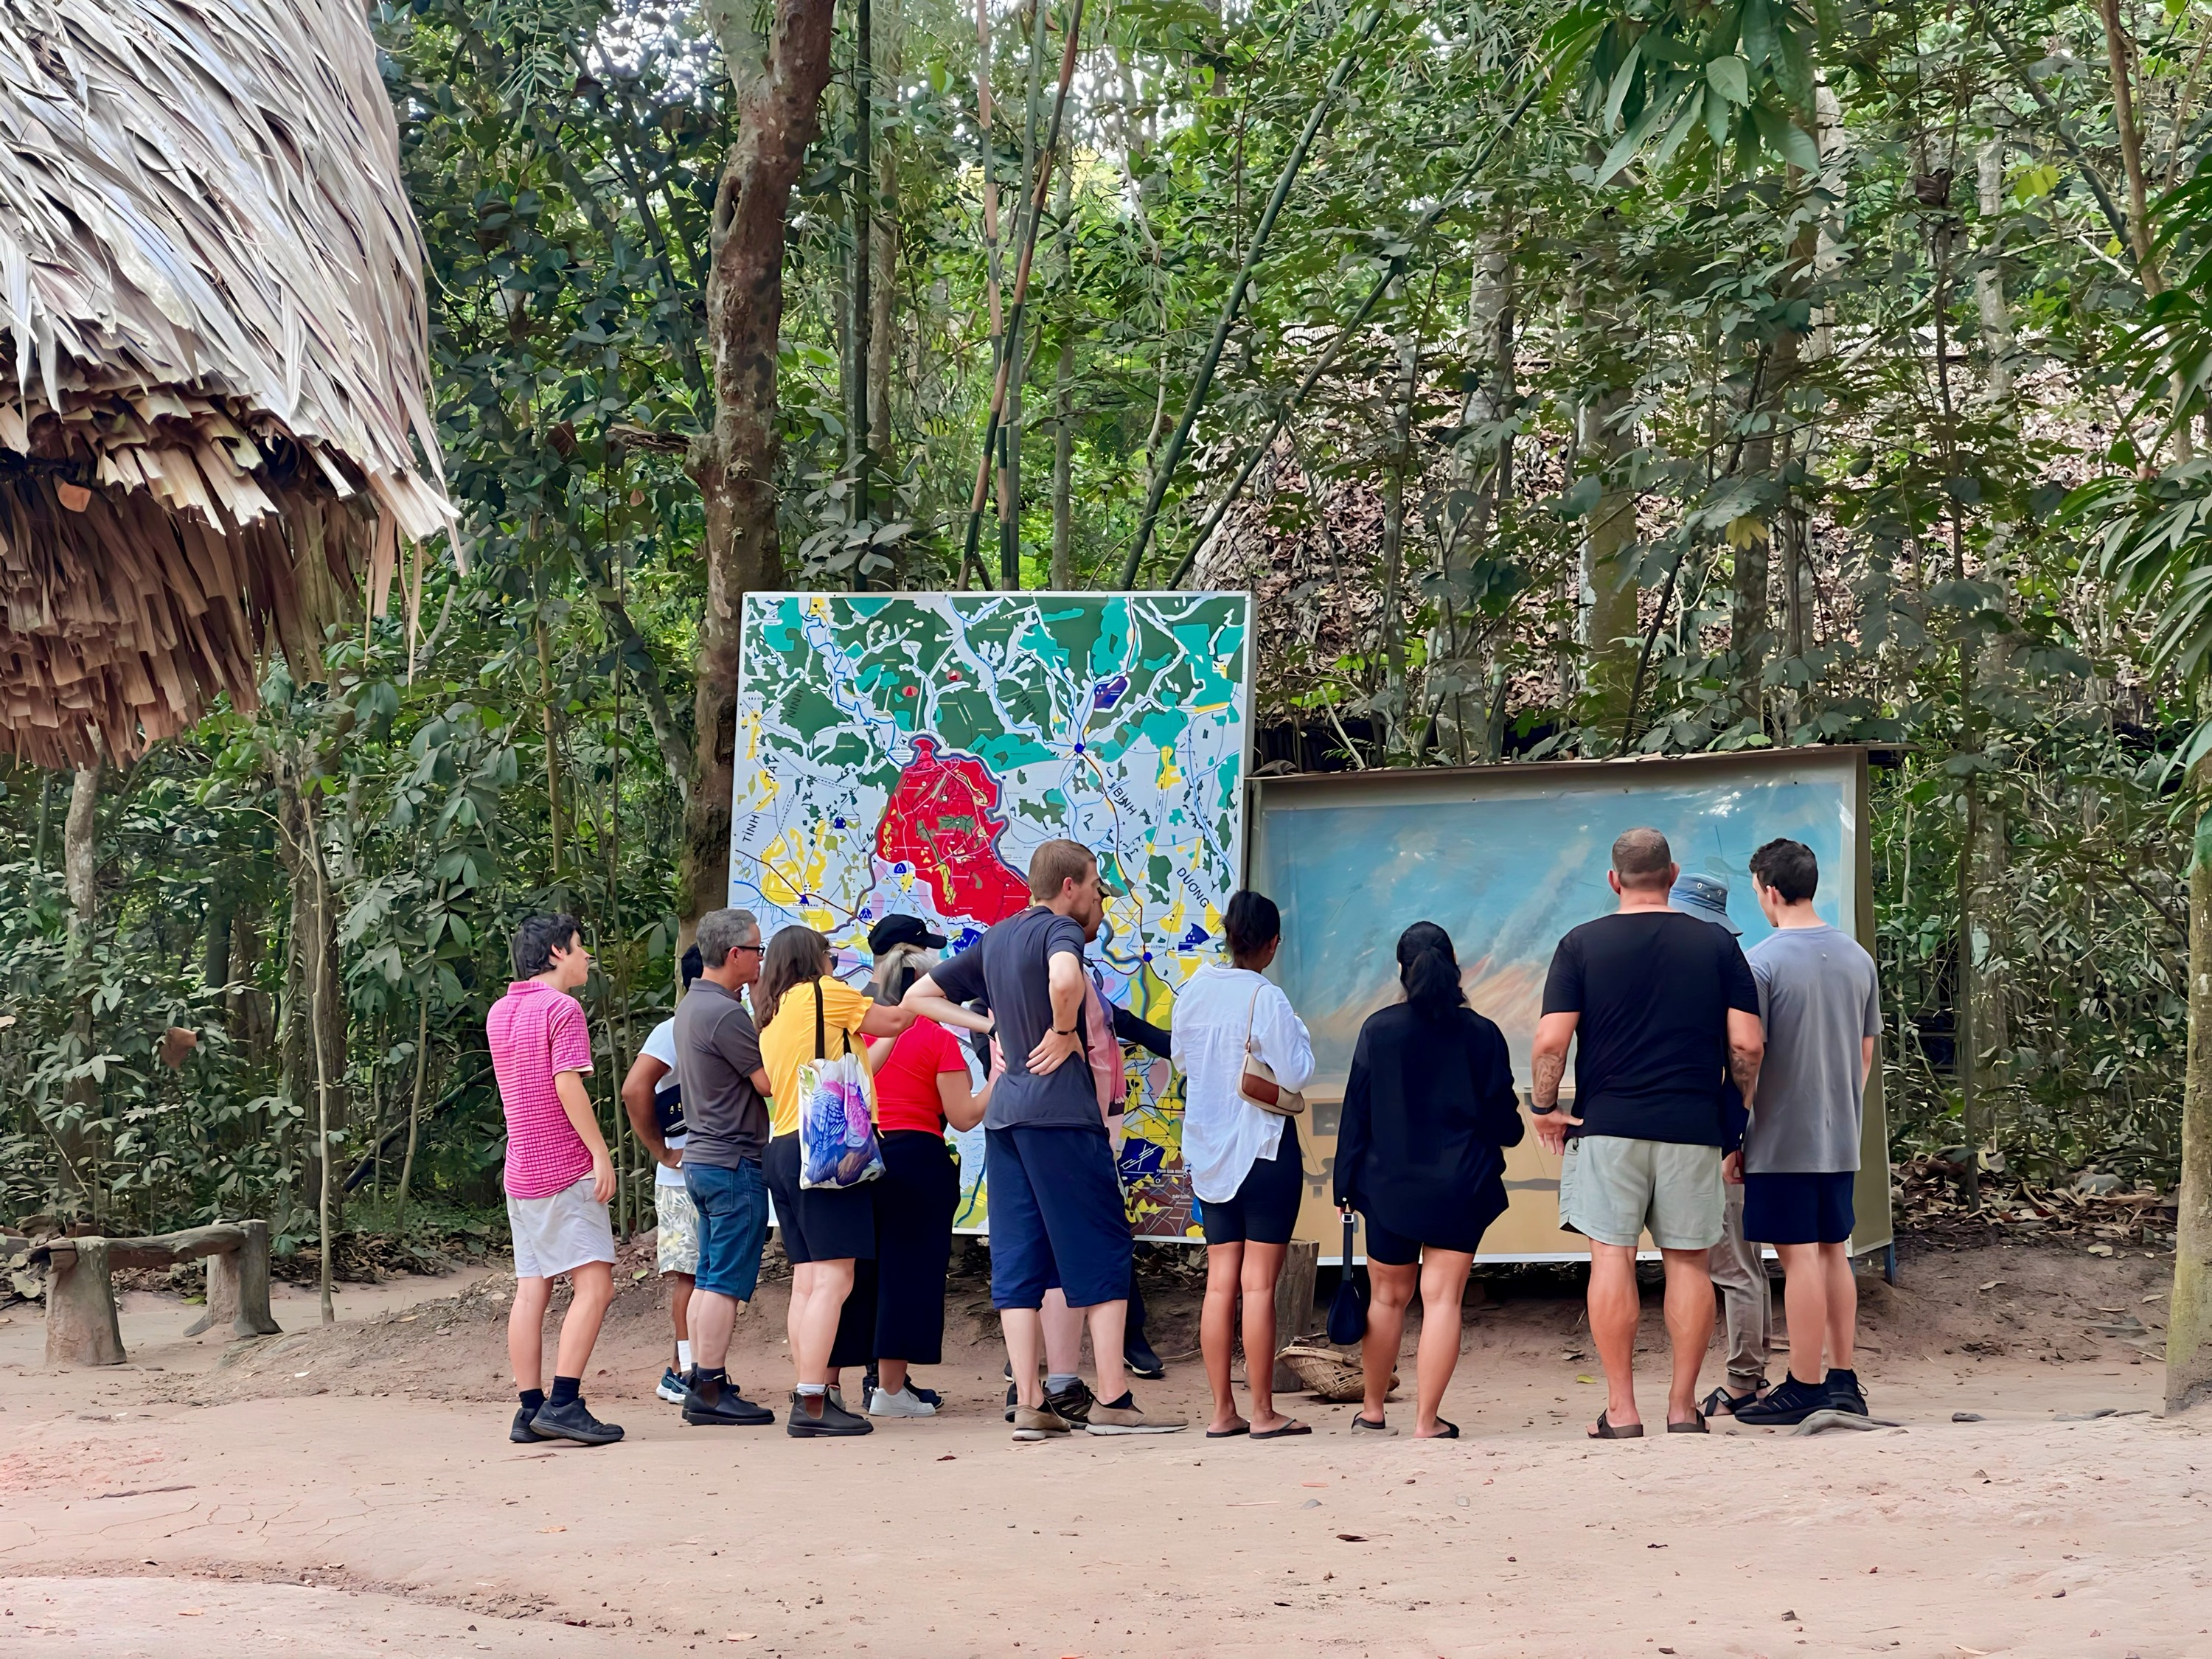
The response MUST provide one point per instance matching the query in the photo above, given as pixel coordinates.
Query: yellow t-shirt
(786, 1042)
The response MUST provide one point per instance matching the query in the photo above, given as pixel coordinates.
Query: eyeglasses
(754, 948)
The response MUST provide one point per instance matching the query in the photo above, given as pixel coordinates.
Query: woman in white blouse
(1245, 1164)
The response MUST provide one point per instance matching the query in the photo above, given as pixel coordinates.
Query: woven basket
(1331, 1373)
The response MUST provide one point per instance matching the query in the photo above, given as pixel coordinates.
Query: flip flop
(1695, 1425)
(1449, 1430)
(1360, 1425)
(1229, 1434)
(1605, 1431)
(1290, 1428)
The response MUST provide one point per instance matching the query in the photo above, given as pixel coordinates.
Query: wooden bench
(81, 1323)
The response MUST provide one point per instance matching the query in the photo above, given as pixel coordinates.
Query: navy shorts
(1792, 1207)
(732, 1209)
(1056, 1216)
(1266, 1207)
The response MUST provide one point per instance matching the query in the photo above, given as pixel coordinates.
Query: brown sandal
(1606, 1430)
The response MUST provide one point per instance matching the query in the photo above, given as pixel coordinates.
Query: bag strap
(821, 1037)
(1348, 1225)
(1252, 1015)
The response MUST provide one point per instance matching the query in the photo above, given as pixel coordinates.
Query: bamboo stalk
(863, 254)
(1022, 284)
(1203, 383)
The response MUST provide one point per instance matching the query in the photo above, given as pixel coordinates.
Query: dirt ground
(350, 1490)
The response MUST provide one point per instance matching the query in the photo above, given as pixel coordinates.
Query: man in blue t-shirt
(1656, 1003)
(1057, 1217)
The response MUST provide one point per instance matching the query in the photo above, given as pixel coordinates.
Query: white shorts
(560, 1232)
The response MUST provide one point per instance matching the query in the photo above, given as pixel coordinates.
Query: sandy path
(408, 1519)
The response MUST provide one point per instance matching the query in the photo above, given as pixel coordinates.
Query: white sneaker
(905, 1403)
(670, 1387)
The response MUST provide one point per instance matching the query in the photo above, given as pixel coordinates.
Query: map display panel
(907, 752)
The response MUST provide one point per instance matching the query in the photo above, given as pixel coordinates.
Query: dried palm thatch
(213, 353)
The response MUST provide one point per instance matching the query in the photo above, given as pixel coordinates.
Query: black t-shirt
(1654, 988)
(1008, 969)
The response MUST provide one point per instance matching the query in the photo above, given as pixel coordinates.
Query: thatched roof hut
(213, 355)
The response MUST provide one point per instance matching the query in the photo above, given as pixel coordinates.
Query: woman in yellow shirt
(825, 1230)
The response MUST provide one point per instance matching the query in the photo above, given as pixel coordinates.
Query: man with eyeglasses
(718, 1064)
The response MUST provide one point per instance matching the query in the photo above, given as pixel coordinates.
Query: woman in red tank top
(922, 1084)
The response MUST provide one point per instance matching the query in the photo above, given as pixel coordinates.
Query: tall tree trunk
(863, 261)
(890, 63)
(552, 747)
(779, 95)
(81, 856)
(1989, 281)
(314, 1033)
(1392, 621)
(80, 876)
(1063, 413)
(214, 956)
(1609, 629)
(2189, 1317)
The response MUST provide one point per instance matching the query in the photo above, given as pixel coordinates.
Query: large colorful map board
(907, 752)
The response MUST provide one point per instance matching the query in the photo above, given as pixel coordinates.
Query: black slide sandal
(1288, 1429)
(1447, 1430)
(1229, 1434)
(1695, 1425)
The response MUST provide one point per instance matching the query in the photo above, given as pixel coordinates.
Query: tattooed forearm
(1743, 1069)
(1549, 1069)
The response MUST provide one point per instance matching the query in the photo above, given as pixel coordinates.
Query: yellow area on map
(791, 867)
(1170, 775)
(758, 782)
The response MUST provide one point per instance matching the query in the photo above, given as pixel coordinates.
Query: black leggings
(916, 1201)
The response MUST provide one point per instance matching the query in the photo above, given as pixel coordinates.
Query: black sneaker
(835, 1420)
(521, 1433)
(1844, 1394)
(1788, 1403)
(574, 1421)
(1137, 1354)
(1074, 1403)
(929, 1397)
(730, 1409)
(1013, 1399)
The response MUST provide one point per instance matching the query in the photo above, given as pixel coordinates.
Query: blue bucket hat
(1704, 898)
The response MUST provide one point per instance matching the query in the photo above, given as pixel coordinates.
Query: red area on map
(939, 819)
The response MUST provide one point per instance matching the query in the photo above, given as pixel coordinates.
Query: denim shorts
(732, 1209)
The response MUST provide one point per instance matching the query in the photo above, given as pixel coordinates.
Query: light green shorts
(1612, 1190)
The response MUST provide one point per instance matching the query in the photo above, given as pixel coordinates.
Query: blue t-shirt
(1008, 970)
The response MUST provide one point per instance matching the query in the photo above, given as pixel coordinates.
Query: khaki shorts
(560, 1232)
(676, 1231)
(1613, 1190)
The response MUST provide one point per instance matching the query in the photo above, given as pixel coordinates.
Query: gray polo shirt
(717, 1052)
(1818, 996)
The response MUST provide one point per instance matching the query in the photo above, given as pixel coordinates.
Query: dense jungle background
(1640, 378)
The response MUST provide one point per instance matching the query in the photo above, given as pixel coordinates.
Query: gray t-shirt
(717, 1052)
(1818, 996)
(1007, 970)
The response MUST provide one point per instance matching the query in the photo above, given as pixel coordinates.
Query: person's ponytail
(1429, 970)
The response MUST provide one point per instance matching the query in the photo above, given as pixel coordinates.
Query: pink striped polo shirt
(536, 1033)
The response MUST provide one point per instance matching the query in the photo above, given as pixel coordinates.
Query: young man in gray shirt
(1822, 1011)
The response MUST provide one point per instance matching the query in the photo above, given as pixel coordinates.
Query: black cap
(902, 930)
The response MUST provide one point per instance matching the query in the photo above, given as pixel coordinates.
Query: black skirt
(915, 1202)
(819, 1223)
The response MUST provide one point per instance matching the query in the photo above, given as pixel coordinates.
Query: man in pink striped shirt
(559, 1177)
